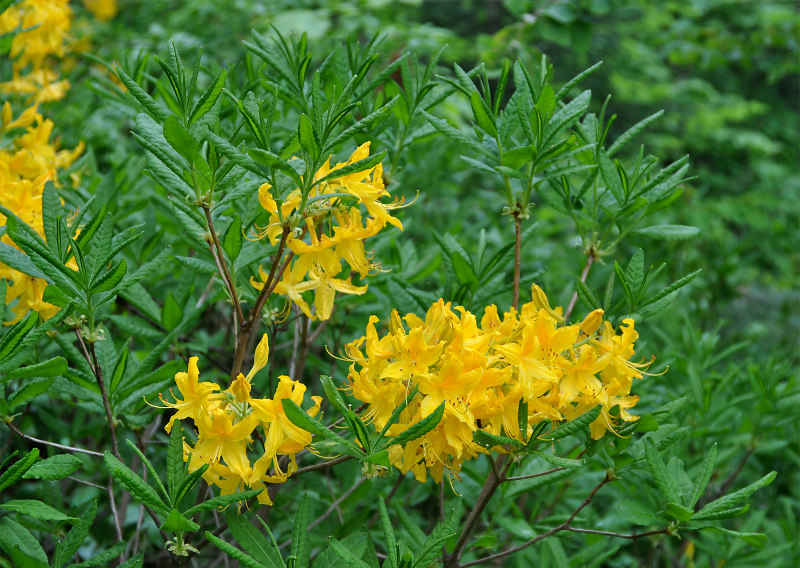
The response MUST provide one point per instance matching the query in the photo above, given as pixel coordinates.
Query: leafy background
(727, 75)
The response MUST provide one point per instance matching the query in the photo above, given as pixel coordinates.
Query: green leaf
(563, 91)
(669, 232)
(610, 175)
(574, 426)
(175, 522)
(726, 513)
(51, 368)
(189, 482)
(233, 552)
(135, 485)
(660, 474)
(223, 501)
(141, 95)
(456, 135)
(679, 512)
(728, 501)
(176, 469)
(388, 535)
(344, 553)
(148, 268)
(677, 285)
(489, 441)
(172, 313)
(253, 541)
(359, 166)
(31, 390)
(72, 541)
(301, 549)
(36, 510)
(110, 279)
(209, 98)
(151, 470)
(307, 137)
(232, 239)
(706, 471)
(54, 468)
(422, 427)
(632, 132)
(433, 544)
(104, 558)
(181, 141)
(18, 469)
(18, 260)
(300, 418)
(587, 296)
(15, 537)
(482, 114)
(558, 461)
(756, 540)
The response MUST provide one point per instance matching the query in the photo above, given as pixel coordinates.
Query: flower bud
(592, 322)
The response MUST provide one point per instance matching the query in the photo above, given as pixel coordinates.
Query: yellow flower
(196, 395)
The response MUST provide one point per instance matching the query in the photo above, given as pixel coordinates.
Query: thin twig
(563, 526)
(85, 352)
(321, 465)
(24, 436)
(223, 266)
(113, 504)
(589, 260)
(532, 475)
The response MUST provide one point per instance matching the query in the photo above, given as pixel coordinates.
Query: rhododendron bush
(241, 322)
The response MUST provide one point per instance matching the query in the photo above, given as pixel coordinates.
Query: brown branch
(532, 475)
(562, 527)
(488, 490)
(589, 260)
(321, 465)
(222, 266)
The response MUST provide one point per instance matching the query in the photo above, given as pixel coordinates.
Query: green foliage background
(727, 75)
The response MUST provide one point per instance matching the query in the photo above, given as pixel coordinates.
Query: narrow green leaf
(705, 475)
(104, 558)
(253, 541)
(223, 501)
(574, 426)
(54, 468)
(51, 368)
(175, 522)
(563, 91)
(181, 140)
(74, 539)
(18, 469)
(136, 486)
(151, 470)
(36, 510)
(756, 540)
(610, 176)
(482, 114)
(301, 549)
(669, 232)
(728, 501)
(388, 535)
(108, 281)
(633, 131)
(677, 285)
(724, 514)
(456, 135)
(559, 461)
(233, 552)
(31, 390)
(359, 166)
(232, 239)
(18, 260)
(344, 553)
(679, 512)
(141, 96)
(489, 441)
(209, 98)
(660, 474)
(301, 419)
(307, 137)
(422, 427)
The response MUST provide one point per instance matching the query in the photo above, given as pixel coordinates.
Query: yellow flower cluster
(329, 229)
(483, 371)
(103, 10)
(31, 161)
(46, 24)
(230, 421)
